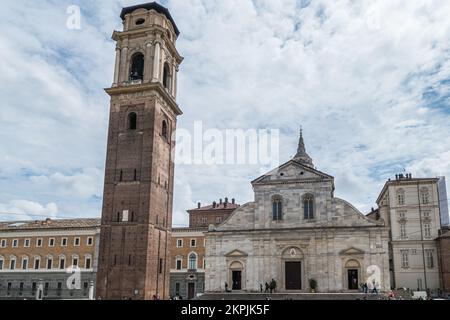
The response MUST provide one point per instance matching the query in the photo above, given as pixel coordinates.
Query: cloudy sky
(368, 80)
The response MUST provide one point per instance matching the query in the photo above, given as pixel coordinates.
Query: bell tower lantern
(138, 189)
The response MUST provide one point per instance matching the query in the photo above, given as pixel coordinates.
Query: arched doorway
(236, 270)
(352, 274)
(292, 265)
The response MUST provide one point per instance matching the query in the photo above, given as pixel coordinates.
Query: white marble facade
(332, 242)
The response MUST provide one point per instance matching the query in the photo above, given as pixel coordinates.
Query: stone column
(91, 290)
(175, 79)
(156, 64)
(117, 66)
(123, 64)
(148, 62)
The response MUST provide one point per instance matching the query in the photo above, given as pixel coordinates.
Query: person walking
(267, 288)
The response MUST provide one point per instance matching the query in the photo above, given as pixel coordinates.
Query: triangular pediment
(351, 251)
(236, 253)
(291, 171)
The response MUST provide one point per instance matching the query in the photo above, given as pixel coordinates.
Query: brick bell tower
(134, 260)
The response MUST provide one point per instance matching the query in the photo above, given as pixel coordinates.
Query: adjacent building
(296, 231)
(443, 245)
(50, 259)
(411, 208)
(187, 273)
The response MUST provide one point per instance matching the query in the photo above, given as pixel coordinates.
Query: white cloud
(354, 74)
(27, 210)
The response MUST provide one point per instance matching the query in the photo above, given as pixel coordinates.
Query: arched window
(132, 121)
(277, 208)
(62, 261)
(192, 261)
(137, 67)
(164, 131)
(308, 207)
(424, 196)
(166, 76)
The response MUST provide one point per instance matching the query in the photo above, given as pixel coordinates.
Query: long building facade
(50, 259)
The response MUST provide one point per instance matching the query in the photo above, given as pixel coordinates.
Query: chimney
(199, 205)
(214, 204)
(220, 201)
(233, 201)
(396, 177)
(226, 200)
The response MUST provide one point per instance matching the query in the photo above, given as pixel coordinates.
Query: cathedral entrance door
(352, 275)
(237, 280)
(293, 275)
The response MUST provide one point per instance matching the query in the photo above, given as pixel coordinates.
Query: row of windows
(204, 220)
(429, 258)
(133, 125)
(47, 287)
(424, 196)
(49, 263)
(426, 230)
(425, 214)
(192, 243)
(192, 262)
(308, 207)
(16, 243)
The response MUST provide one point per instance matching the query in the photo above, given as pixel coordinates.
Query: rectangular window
(179, 264)
(24, 263)
(277, 212)
(401, 199)
(1, 264)
(49, 263)
(9, 288)
(405, 258)
(427, 230)
(63, 242)
(219, 220)
(402, 214)
(177, 288)
(90, 241)
(59, 289)
(75, 262)
(4, 243)
(46, 287)
(414, 251)
(26, 243)
(425, 198)
(15, 243)
(51, 242)
(20, 288)
(33, 288)
(193, 242)
(62, 263)
(37, 264)
(204, 220)
(12, 264)
(403, 230)
(429, 258)
(179, 243)
(204, 263)
(426, 214)
(87, 263)
(39, 242)
(76, 241)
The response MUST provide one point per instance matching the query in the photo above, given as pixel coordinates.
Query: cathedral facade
(298, 234)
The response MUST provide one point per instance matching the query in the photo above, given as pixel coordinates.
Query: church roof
(151, 6)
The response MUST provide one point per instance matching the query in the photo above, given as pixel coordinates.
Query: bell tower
(138, 191)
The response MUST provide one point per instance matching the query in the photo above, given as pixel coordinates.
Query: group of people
(371, 287)
(269, 288)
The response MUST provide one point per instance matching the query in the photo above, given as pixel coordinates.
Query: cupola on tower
(138, 190)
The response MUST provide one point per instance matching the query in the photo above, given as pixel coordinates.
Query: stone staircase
(291, 296)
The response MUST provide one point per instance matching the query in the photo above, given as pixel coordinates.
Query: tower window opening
(166, 76)
(140, 22)
(164, 129)
(132, 121)
(137, 67)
